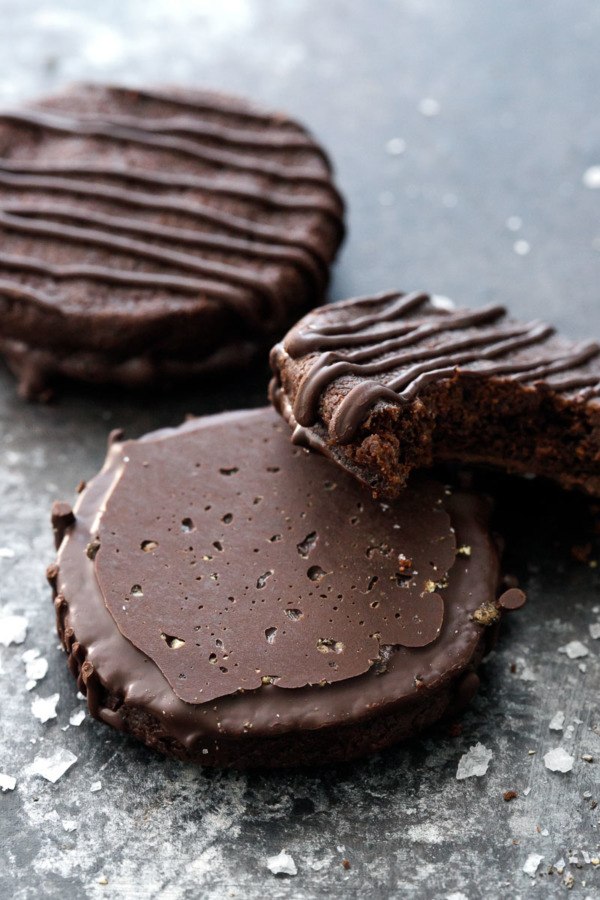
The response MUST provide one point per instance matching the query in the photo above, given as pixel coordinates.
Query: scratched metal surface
(515, 127)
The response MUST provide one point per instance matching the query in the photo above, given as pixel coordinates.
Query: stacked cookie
(236, 591)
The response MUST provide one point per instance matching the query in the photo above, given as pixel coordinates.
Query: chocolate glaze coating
(146, 226)
(376, 692)
(393, 382)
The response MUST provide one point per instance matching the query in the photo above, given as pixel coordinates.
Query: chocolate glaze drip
(387, 340)
(228, 149)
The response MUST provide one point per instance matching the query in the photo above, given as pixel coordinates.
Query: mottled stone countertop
(466, 136)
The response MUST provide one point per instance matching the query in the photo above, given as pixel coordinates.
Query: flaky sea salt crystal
(13, 630)
(574, 650)
(36, 669)
(557, 721)
(531, 864)
(441, 302)
(53, 767)
(44, 708)
(558, 760)
(559, 865)
(95, 786)
(69, 825)
(282, 864)
(591, 178)
(7, 782)
(474, 762)
(77, 717)
(29, 685)
(6, 553)
(595, 630)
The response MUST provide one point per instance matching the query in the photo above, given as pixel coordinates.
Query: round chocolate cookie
(156, 233)
(231, 599)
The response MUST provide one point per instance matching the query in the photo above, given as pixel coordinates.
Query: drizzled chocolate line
(165, 204)
(170, 234)
(377, 356)
(105, 129)
(315, 204)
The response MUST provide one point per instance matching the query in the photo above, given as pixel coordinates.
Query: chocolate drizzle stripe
(165, 204)
(334, 365)
(355, 406)
(218, 105)
(148, 280)
(106, 130)
(184, 125)
(16, 291)
(294, 256)
(323, 204)
(402, 305)
(140, 249)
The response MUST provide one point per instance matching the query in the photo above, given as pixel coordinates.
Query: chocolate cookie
(151, 233)
(391, 383)
(233, 600)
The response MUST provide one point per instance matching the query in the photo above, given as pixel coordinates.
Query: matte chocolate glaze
(351, 626)
(338, 371)
(193, 200)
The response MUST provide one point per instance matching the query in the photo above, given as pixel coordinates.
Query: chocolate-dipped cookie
(151, 234)
(390, 383)
(231, 599)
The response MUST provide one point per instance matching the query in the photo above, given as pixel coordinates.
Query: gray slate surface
(517, 88)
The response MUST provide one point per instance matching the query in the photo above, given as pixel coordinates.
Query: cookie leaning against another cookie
(156, 233)
(387, 384)
(230, 599)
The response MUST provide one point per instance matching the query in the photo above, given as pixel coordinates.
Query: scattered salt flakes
(558, 760)
(13, 630)
(7, 782)
(429, 107)
(102, 879)
(587, 795)
(569, 732)
(44, 708)
(522, 248)
(395, 146)
(560, 866)
(441, 302)
(54, 767)
(80, 696)
(595, 630)
(531, 864)
(36, 669)
(282, 864)
(77, 717)
(586, 857)
(457, 895)
(574, 650)
(591, 178)
(582, 668)
(514, 223)
(526, 792)
(557, 721)
(69, 825)
(573, 860)
(6, 553)
(65, 727)
(544, 832)
(474, 762)
(29, 655)
(29, 685)
(95, 786)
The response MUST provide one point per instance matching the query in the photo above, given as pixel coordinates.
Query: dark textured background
(517, 128)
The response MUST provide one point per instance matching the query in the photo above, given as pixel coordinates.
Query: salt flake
(13, 630)
(7, 782)
(282, 864)
(558, 760)
(441, 302)
(6, 553)
(44, 708)
(557, 721)
(474, 762)
(574, 650)
(531, 864)
(36, 669)
(595, 630)
(77, 717)
(95, 786)
(69, 825)
(54, 767)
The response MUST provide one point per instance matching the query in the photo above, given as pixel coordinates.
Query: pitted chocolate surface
(229, 562)
(413, 685)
